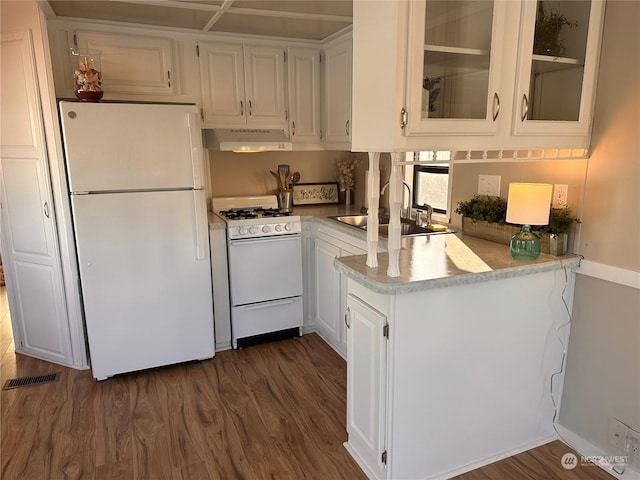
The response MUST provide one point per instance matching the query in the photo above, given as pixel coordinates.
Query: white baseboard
(588, 449)
(222, 346)
(621, 276)
(363, 466)
(331, 342)
(495, 458)
(308, 329)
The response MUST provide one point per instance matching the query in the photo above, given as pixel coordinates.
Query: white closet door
(30, 251)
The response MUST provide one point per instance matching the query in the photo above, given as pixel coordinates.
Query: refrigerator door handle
(201, 234)
(196, 149)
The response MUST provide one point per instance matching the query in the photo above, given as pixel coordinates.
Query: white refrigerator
(135, 175)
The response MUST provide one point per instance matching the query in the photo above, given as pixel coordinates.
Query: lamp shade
(529, 203)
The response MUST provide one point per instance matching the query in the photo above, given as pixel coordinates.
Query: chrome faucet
(404, 212)
(427, 210)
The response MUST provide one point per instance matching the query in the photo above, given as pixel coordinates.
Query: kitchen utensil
(276, 176)
(283, 176)
(284, 168)
(283, 180)
(294, 179)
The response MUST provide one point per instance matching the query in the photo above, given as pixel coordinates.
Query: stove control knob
(278, 228)
(253, 230)
(266, 229)
(287, 227)
(242, 231)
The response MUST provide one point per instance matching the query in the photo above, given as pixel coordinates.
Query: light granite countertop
(432, 261)
(437, 261)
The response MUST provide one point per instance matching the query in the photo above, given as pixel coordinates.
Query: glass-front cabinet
(455, 50)
(557, 64)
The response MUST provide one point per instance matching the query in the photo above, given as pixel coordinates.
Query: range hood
(247, 140)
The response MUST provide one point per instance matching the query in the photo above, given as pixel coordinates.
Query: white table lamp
(528, 204)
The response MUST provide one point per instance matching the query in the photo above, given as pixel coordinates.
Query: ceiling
(302, 19)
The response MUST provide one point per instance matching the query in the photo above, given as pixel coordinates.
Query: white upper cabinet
(463, 75)
(556, 73)
(133, 64)
(264, 76)
(242, 85)
(222, 77)
(337, 94)
(304, 94)
(455, 55)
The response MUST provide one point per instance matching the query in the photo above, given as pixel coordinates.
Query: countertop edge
(568, 261)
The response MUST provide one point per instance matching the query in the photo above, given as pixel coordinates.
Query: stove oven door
(262, 269)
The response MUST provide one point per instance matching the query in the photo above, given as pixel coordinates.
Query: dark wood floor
(269, 411)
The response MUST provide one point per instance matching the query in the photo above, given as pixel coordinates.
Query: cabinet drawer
(264, 317)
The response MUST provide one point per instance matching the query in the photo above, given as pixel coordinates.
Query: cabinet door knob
(241, 108)
(496, 106)
(250, 108)
(346, 127)
(346, 317)
(46, 209)
(293, 129)
(525, 107)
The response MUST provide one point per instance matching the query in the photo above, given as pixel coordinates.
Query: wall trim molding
(586, 448)
(621, 276)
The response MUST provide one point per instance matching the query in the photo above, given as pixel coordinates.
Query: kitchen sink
(407, 227)
(359, 221)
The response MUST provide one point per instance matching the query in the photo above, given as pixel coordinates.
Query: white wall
(248, 173)
(566, 172)
(603, 365)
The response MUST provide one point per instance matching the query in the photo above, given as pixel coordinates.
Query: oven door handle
(278, 238)
(260, 306)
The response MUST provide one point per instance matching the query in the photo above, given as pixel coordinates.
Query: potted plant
(484, 208)
(555, 235)
(485, 217)
(549, 22)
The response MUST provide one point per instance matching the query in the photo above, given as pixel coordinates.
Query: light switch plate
(489, 185)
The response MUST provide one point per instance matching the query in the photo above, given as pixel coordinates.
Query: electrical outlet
(617, 433)
(489, 185)
(633, 443)
(560, 195)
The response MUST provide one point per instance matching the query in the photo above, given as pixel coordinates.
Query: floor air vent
(29, 381)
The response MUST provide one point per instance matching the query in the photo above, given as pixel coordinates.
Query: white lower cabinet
(462, 378)
(327, 290)
(367, 386)
(329, 287)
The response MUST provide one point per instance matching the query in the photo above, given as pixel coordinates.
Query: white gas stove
(254, 217)
(265, 268)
